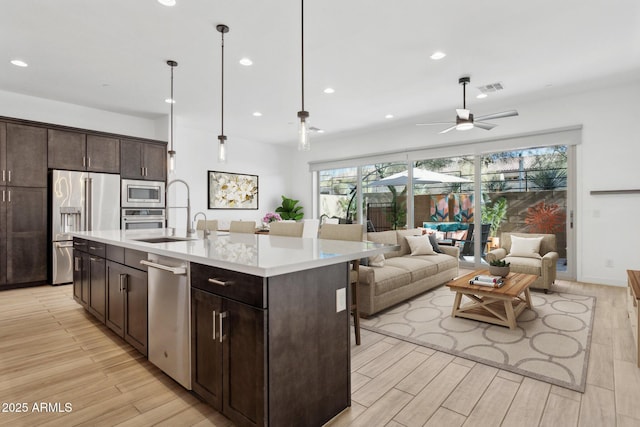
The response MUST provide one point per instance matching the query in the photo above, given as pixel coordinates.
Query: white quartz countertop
(258, 254)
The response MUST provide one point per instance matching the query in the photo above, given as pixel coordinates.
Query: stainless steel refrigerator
(80, 201)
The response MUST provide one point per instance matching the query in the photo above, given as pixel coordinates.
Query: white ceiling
(111, 55)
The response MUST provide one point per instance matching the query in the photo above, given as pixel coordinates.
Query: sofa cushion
(525, 247)
(376, 260)
(420, 245)
(442, 261)
(525, 265)
(420, 267)
(387, 237)
(402, 241)
(385, 278)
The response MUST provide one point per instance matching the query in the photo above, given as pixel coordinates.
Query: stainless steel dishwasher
(169, 317)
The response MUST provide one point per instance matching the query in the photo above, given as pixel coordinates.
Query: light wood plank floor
(53, 352)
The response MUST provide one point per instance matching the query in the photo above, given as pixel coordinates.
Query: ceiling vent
(490, 88)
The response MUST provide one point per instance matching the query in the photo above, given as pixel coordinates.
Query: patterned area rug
(551, 342)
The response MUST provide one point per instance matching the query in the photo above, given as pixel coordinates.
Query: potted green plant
(289, 209)
(499, 267)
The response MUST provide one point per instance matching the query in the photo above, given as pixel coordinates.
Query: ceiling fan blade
(463, 113)
(448, 129)
(501, 115)
(435, 123)
(483, 125)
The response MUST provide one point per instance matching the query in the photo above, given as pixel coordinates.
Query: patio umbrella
(420, 176)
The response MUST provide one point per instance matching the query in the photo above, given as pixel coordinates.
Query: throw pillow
(376, 260)
(420, 245)
(528, 247)
(434, 243)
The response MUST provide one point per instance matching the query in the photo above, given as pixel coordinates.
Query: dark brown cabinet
(23, 235)
(228, 359)
(23, 204)
(81, 271)
(127, 304)
(23, 155)
(89, 276)
(78, 151)
(143, 160)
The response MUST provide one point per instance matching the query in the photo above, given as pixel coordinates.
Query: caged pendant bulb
(171, 101)
(222, 138)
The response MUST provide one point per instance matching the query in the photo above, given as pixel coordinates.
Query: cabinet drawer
(97, 249)
(115, 253)
(229, 284)
(80, 244)
(132, 259)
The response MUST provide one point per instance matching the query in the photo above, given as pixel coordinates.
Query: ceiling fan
(464, 118)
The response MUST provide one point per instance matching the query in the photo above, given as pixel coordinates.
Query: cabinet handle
(213, 328)
(88, 162)
(94, 259)
(222, 316)
(220, 282)
(9, 178)
(77, 263)
(123, 286)
(94, 248)
(3, 175)
(84, 161)
(9, 195)
(141, 171)
(3, 195)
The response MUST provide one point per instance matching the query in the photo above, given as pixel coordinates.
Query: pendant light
(304, 144)
(171, 101)
(222, 138)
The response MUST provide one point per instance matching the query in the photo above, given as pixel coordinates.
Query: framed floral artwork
(232, 190)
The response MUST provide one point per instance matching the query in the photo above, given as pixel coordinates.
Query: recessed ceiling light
(438, 55)
(389, 116)
(167, 2)
(19, 63)
(329, 90)
(257, 114)
(170, 101)
(246, 62)
(482, 95)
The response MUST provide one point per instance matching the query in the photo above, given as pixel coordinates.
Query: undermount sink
(165, 239)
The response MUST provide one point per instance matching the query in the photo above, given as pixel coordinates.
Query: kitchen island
(269, 319)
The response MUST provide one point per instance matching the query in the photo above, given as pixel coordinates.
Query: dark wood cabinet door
(77, 276)
(136, 296)
(85, 278)
(114, 316)
(103, 154)
(3, 236)
(243, 363)
(206, 349)
(3, 155)
(155, 162)
(26, 234)
(26, 150)
(131, 159)
(67, 150)
(97, 287)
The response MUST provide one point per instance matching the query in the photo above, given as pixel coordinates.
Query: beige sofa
(402, 275)
(543, 263)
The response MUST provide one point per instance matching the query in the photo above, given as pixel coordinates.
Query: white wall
(197, 153)
(48, 111)
(607, 159)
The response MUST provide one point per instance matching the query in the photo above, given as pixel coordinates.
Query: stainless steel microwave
(142, 194)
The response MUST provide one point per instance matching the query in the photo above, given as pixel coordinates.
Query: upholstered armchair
(526, 259)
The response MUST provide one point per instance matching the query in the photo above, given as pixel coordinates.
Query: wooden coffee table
(500, 306)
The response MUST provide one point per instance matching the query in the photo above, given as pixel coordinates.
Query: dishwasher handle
(174, 270)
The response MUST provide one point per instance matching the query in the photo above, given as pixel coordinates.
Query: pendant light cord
(302, 46)
(172, 102)
(222, 89)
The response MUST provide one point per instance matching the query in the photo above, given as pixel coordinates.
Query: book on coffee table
(487, 280)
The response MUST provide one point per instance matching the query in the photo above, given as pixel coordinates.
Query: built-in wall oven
(140, 219)
(142, 194)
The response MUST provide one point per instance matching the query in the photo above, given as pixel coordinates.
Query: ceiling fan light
(464, 126)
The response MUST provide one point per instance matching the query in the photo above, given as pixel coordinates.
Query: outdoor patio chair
(468, 242)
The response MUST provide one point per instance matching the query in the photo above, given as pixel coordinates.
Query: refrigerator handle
(89, 204)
